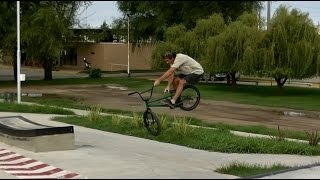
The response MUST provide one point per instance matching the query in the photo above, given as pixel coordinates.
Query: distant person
(183, 70)
(87, 64)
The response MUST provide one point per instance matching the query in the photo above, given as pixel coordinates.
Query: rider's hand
(156, 82)
(167, 89)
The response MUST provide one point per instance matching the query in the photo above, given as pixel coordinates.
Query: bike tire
(189, 90)
(150, 119)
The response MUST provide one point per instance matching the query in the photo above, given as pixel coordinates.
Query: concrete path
(101, 154)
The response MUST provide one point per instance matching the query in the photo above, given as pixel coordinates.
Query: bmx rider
(183, 70)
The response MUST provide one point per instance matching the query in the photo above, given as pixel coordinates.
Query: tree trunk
(47, 66)
(228, 78)
(233, 79)
(280, 81)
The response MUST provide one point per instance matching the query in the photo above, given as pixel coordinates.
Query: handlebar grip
(132, 93)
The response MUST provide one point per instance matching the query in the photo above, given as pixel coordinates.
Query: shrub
(95, 114)
(137, 120)
(182, 127)
(116, 120)
(95, 73)
(280, 136)
(313, 138)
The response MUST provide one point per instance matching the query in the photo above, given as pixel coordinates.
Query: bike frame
(156, 102)
(149, 102)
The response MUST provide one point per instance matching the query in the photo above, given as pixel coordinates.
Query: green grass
(245, 170)
(256, 129)
(198, 138)
(72, 102)
(289, 97)
(24, 108)
(68, 102)
(57, 100)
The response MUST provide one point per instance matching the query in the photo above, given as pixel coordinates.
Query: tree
(204, 29)
(46, 31)
(105, 35)
(225, 51)
(150, 19)
(193, 42)
(290, 47)
(45, 28)
(8, 33)
(162, 47)
(119, 28)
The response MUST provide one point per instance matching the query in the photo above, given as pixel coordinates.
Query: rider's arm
(170, 80)
(167, 74)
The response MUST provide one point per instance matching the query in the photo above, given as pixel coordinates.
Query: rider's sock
(173, 101)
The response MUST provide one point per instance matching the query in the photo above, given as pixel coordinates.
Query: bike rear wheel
(189, 98)
(151, 122)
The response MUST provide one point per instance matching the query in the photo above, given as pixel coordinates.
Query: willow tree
(225, 51)
(162, 47)
(193, 42)
(177, 39)
(292, 46)
(205, 28)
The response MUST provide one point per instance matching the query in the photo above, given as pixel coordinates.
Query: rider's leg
(179, 89)
(182, 81)
(171, 81)
(175, 83)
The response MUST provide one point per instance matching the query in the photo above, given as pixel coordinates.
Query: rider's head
(169, 57)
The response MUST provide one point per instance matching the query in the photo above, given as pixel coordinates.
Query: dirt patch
(113, 96)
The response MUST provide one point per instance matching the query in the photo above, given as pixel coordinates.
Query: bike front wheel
(151, 122)
(189, 98)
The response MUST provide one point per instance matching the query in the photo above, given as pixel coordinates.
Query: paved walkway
(101, 154)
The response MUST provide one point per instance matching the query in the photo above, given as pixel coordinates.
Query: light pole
(18, 54)
(268, 12)
(128, 45)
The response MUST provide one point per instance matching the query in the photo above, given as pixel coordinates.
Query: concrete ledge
(23, 133)
(41, 143)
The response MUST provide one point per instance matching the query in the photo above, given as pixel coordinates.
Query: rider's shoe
(169, 103)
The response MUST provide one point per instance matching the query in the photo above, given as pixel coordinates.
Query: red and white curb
(27, 168)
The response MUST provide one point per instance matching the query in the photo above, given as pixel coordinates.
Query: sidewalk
(101, 154)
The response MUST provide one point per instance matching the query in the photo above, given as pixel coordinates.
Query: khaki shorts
(190, 78)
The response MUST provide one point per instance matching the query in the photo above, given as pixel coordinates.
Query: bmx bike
(188, 100)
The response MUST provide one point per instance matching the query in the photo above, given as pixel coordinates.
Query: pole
(268, 12)
(18, 54)
(128, 46)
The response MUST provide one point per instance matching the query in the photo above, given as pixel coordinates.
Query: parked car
(217, 76)
(214, 77)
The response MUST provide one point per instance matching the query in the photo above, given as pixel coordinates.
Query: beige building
(106, 56)
(113, 56)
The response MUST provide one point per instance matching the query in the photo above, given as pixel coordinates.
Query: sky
(107, 11)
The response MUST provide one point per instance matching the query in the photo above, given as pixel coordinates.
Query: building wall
(114, 56)
(106, 56)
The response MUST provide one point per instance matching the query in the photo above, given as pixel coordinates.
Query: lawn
(288, 97)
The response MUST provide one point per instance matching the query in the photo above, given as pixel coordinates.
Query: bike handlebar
(132, 93)
(144, 99)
